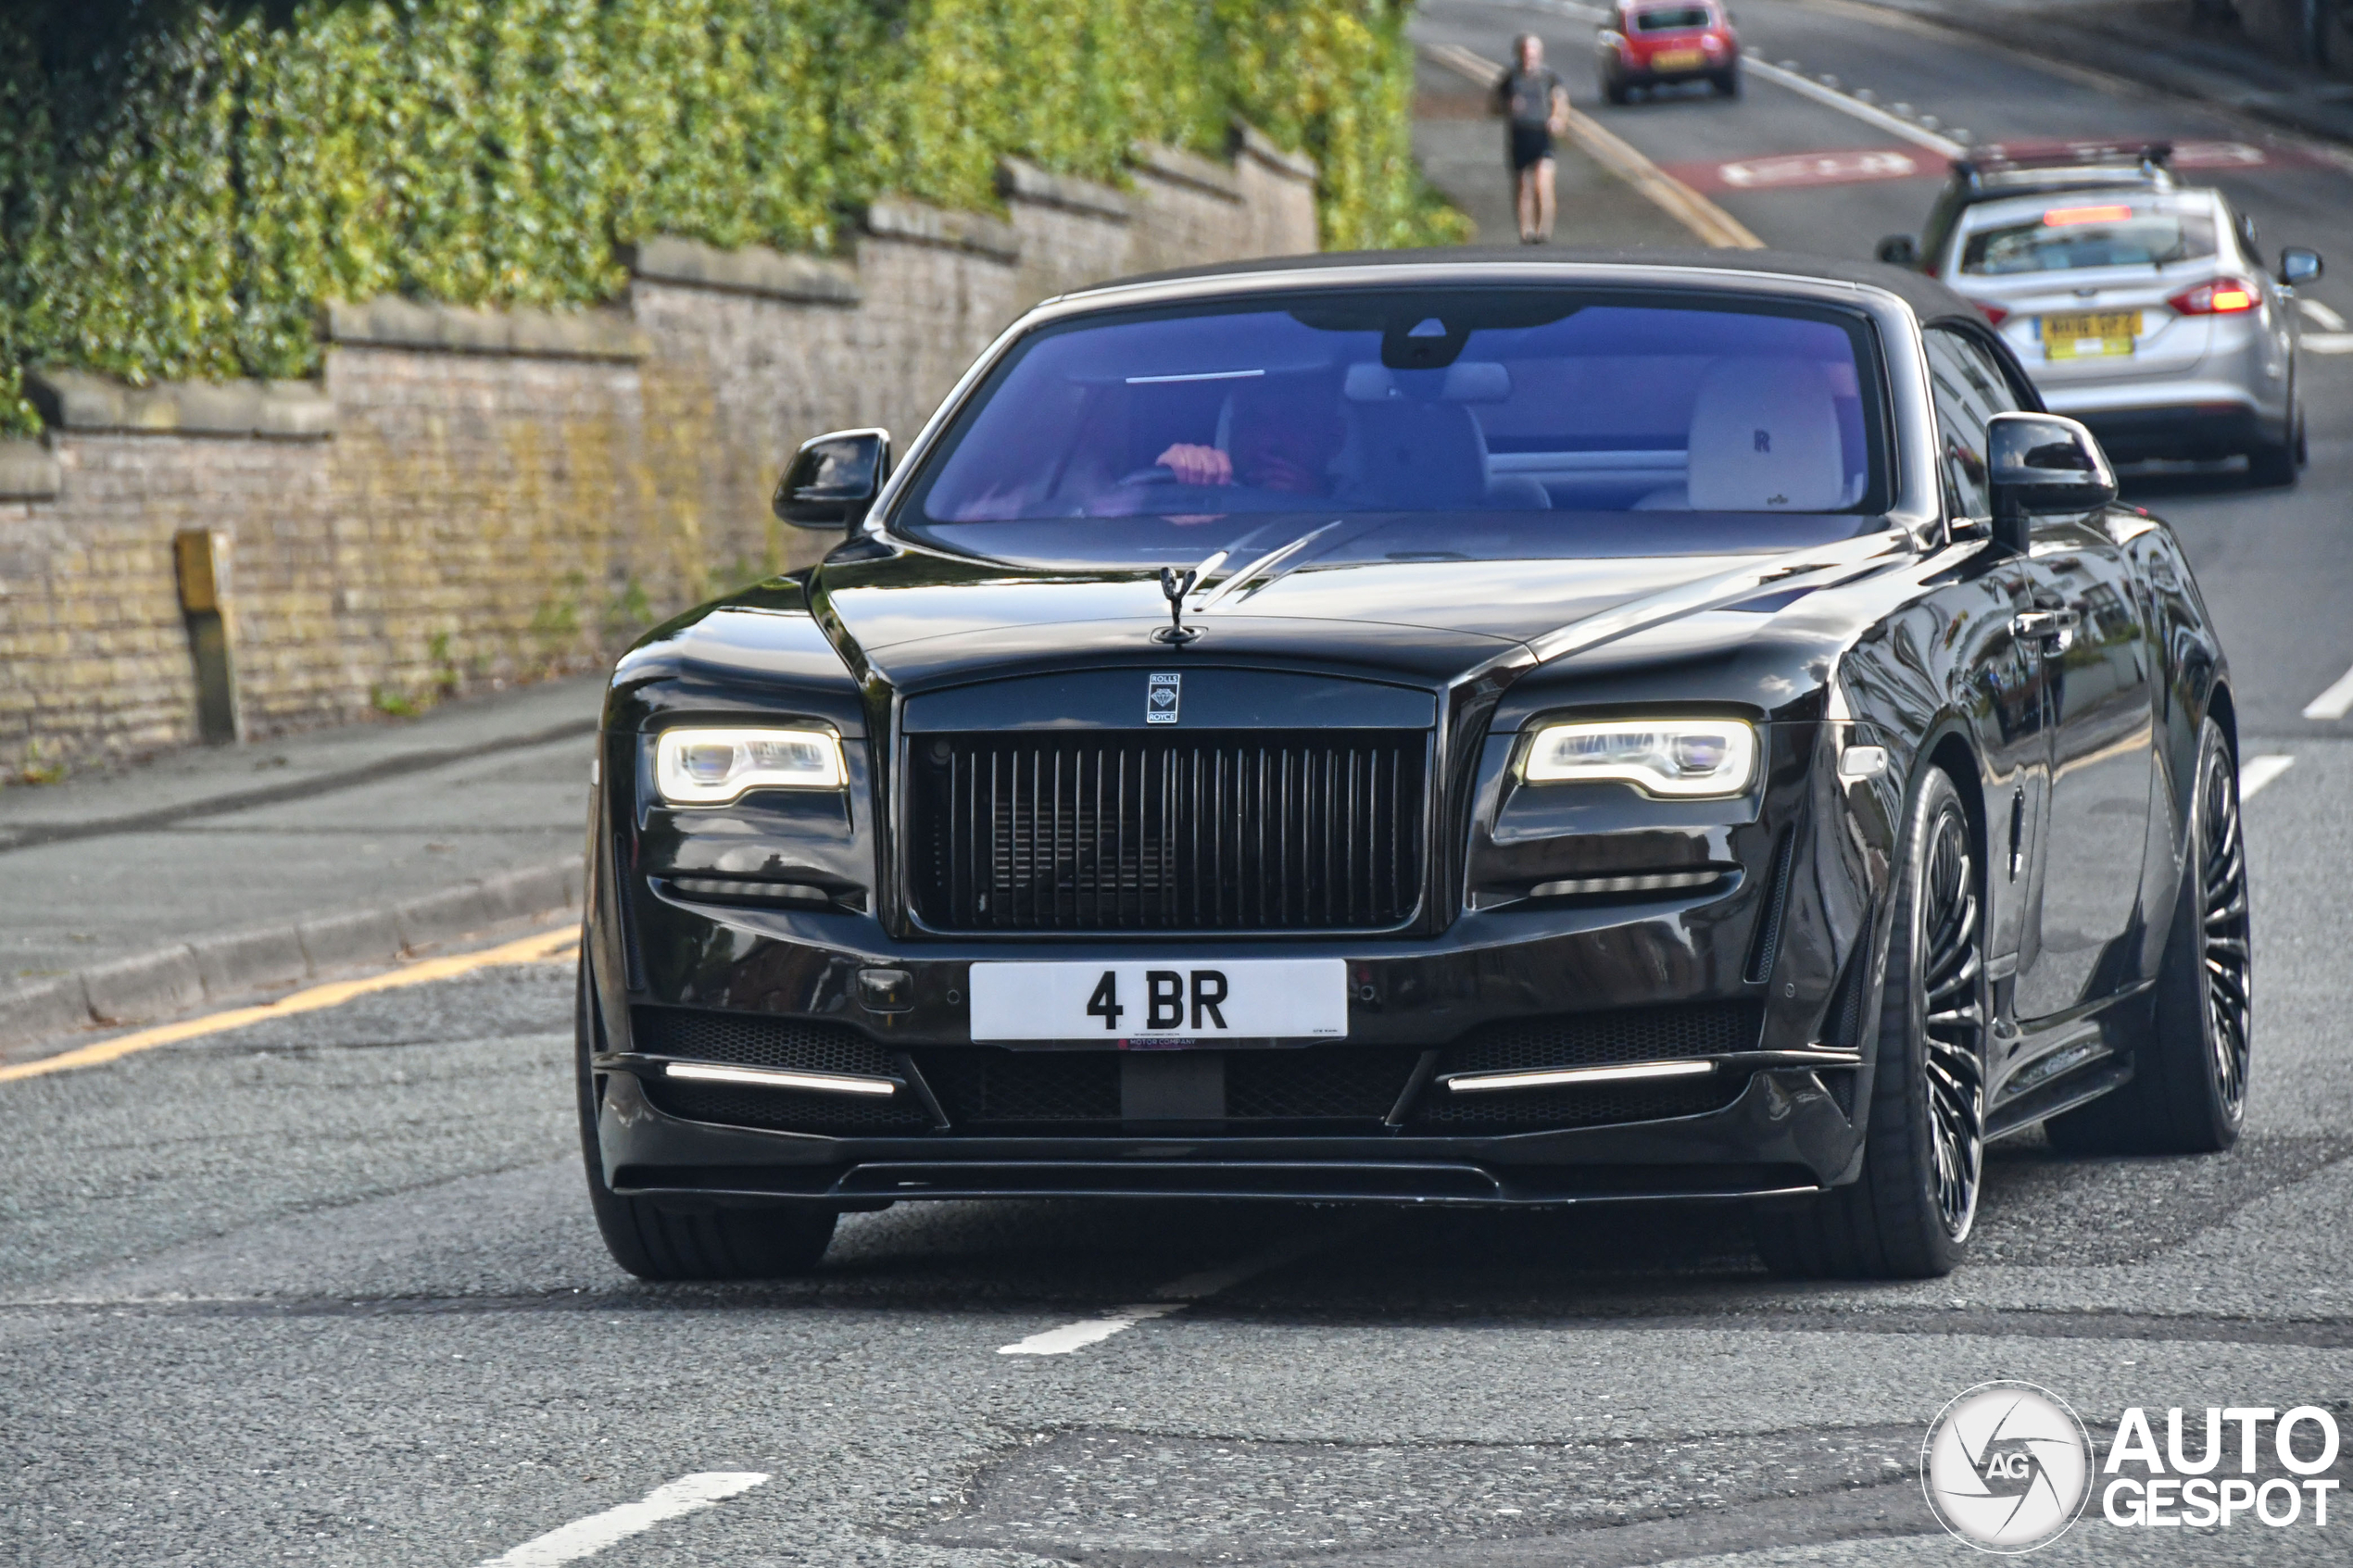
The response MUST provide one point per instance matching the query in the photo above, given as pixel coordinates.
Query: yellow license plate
(2088, 334)
(1677, 60)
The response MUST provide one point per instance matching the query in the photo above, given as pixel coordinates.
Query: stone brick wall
(467, 497)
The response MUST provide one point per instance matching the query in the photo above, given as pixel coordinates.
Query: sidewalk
(141, 893)
(2151, 42)
(1460, 146)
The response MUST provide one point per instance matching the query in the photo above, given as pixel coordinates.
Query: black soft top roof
(1929, 300)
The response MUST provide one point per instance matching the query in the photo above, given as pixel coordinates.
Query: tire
(667, 1244)
(2273, 466)
(1909, 1213)
(2191, 1041)
(1726, 83)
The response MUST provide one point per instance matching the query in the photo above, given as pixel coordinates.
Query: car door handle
(2055, 628)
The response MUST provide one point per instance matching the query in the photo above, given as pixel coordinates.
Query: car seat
(1764, 438)
(1411, 454)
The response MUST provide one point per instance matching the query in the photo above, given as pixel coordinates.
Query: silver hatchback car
(2146, 314)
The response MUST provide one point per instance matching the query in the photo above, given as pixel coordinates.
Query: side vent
(1843, 1026)
(1768, 925)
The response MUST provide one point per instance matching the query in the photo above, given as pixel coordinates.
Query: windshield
(2094, 234)
(1499, 400)
(1672, 19)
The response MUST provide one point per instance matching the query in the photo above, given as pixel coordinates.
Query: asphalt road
(326, 1290)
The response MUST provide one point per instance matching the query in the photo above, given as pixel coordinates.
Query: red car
(1652, 43)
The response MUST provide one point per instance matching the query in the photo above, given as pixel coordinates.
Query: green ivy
(181, 184)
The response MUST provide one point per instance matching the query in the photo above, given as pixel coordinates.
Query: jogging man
(1532, 97)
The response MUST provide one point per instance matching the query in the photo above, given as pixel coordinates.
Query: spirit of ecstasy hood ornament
(1174, 586)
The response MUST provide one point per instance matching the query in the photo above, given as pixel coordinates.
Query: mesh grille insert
(1592, 1039)
(753, 1040)
(1598, 1039)
(983, 1085)
(786, 1111)
(1319, 1083)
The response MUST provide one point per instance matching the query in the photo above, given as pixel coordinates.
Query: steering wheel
(1158, 473)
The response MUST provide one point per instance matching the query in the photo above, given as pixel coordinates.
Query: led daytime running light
(1676, 759)
(699, 767)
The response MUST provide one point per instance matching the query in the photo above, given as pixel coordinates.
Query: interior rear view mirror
(2298, 265)
(833, 478)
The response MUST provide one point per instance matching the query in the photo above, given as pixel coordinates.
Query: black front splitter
(1784, 1135)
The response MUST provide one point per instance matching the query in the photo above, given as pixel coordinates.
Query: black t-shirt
(1526, 95)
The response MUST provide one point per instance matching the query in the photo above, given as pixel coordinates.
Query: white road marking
(1086, 1331)
(1174, 1297)
(2333, 703)
(2256, 771)
(1870, 114)
(2316, 311)
(585, 1538)
(2326, 343)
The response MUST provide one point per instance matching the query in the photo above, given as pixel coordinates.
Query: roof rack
(2152, 158)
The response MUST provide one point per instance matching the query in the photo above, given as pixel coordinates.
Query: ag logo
(2006, 1467)
(1160, 699)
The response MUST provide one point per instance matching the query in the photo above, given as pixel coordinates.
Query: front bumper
(1773, 1113)
(1785, 1135)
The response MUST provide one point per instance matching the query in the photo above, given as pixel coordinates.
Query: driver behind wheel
(1279, 442)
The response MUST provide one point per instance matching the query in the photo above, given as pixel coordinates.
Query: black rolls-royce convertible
(1430, 729)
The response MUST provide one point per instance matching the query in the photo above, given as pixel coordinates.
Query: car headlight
(695, 767)
(1684, 758)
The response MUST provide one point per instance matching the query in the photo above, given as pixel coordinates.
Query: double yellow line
(540, 949)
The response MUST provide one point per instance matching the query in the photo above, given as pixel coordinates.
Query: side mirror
(2043, 463)
(833, 479)
(2298, 265)
(1899, 250)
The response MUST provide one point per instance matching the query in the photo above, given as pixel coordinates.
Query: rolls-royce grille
(1203, 830)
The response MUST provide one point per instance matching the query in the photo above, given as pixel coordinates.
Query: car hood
(917, 617)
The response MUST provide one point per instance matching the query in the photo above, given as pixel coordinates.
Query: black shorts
(1531, 144)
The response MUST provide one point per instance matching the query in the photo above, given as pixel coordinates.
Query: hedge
(182, 184)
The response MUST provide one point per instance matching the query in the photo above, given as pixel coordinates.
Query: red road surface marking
(1782, 172)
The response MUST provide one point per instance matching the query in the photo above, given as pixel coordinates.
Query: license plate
(1165, 1003)
(2088, 334)
(1677, 60)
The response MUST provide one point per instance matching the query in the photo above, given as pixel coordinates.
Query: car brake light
(2058, 217)
(2223, 297)
(1993, 314)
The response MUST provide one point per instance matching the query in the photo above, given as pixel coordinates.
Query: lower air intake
(1591, 1039)
(796, 1044)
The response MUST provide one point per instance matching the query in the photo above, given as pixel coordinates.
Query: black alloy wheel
(1908, 1215)
(707, 1243)
(1952, 984)
(2192, 1040)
